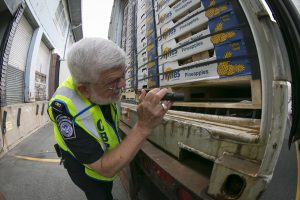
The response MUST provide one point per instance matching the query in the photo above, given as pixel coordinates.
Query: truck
(236, 64)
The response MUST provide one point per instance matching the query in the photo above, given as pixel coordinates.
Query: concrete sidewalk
(43, 178)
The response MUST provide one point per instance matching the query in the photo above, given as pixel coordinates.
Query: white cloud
(96, 17)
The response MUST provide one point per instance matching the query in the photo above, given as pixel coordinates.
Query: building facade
(35, 37)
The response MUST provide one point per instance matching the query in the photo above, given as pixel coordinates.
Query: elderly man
(85, 114)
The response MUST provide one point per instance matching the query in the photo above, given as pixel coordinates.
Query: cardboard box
(147, 35)
(146, 27)
(141, 16)
(129, 83)
(211, 3)
(218, 8)
(148, 76)
(237, 64)
(223, 22)
(161, 4)
(142, 83)
(147, 55)
(146, 41)
(149, 69)
(173, 51)
(175, 74)
(130, 57)
(216, 70)
(130, 72)
(228, 36)
(143, 3)
(171, 30)
(151, 82)
(130, 61)
(187, 26)
(169, 13)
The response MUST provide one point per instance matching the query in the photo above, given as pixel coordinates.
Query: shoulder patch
(65, 127)
(57, 106)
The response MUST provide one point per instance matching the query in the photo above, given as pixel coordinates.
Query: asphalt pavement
(44, 178)
(283, 185)
(35, 180)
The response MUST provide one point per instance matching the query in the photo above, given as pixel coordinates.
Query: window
(60, 18)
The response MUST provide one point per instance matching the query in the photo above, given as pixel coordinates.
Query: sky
(96, 17)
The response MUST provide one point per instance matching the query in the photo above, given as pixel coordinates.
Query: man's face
(108, 88)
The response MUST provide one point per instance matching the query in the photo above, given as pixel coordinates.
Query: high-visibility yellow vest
(89, 117)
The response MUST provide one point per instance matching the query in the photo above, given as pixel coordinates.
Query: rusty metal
(188, 177)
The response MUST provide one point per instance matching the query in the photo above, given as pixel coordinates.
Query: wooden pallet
(209, 91)
(207, 86)
(129, 95)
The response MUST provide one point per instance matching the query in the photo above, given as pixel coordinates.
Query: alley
(26, 178)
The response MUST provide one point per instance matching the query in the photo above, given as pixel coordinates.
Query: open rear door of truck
(234, 60)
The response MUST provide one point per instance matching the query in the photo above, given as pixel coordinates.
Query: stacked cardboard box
(130, 47)
(214, 48)
(146, 46)
(181, 41)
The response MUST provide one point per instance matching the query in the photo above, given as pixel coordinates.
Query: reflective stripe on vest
(89, 117)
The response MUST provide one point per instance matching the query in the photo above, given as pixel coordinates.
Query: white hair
(88, 57)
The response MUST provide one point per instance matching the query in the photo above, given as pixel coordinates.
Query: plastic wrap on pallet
(230, 59)
(169, 13)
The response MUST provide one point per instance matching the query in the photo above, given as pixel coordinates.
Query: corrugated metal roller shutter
(15, 86)
(17, 62)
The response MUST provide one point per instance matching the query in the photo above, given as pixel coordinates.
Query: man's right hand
(150, 110)
(150, 113)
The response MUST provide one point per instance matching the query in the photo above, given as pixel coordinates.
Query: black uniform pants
(93, 189)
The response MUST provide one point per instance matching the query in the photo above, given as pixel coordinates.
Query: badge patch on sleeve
(65, 127)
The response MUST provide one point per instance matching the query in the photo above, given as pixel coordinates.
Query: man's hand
(150, 113)
(150, 109)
